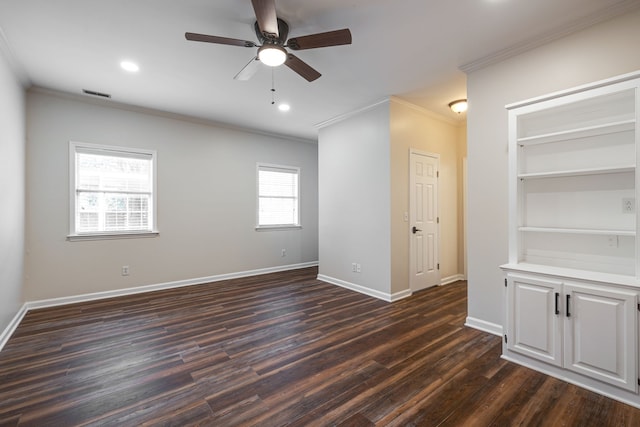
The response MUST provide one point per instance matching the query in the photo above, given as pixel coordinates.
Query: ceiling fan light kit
(272, 55)
(272, 33)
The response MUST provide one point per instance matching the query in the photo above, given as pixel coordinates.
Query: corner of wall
(12, 198)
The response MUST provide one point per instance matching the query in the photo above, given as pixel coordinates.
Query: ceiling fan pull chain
(273, 88)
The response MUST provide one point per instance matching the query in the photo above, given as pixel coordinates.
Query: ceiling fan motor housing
(283, 30)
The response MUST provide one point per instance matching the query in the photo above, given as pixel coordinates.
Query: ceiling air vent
(94, 93)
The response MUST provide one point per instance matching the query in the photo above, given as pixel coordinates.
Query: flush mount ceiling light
(458, 106)
(129, 66)
(272, 55)
(284, 107)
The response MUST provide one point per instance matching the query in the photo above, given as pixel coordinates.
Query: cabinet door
(600, 334)
(534, 318)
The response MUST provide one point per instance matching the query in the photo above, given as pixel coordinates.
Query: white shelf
(572, 162)
(578, 172)
(578, 231)
(603, 129)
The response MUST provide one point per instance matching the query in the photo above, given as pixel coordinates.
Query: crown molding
(426, 112)
(611, 12)
(110, 103)
(353, 113)
(389, 100)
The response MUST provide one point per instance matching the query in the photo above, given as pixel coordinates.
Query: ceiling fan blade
(265, 11)
(312, 41)
(301, 67)
(249, 70)
(219, 40)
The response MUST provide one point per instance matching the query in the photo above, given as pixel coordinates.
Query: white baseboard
(452, 279)
(401, 295)
(53, 302)
(366, 291)
(11, 328)
(492, 328)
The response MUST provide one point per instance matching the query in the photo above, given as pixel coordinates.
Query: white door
(535, 318)
(600, 334)
(423, 220)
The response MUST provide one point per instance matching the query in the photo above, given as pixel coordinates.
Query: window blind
(278, 196)
(113, 190)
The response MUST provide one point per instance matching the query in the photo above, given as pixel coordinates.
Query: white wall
(206, 199)
(354, 190)
(12, 193)
(602, 51)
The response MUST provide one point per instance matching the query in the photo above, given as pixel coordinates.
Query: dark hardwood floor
(278, 349)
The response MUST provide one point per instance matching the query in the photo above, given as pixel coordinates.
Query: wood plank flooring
(277, 349)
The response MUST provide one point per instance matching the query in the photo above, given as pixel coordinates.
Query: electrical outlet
(628, 205)
(125, 270)
(354, 267)
(358, 268)
(612, 241)
(284, 253)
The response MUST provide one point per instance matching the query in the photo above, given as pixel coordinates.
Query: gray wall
(12, 192)
(599, 52)
(354, 194)
(206, 200)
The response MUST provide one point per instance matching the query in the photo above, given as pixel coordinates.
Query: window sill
(111, 236)
(277, 227)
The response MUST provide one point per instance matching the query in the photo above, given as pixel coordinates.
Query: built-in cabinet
(586, 328)
(571, 287)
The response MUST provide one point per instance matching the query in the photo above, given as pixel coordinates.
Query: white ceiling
(412, 49)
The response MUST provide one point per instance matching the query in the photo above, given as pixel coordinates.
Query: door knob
(415, 230)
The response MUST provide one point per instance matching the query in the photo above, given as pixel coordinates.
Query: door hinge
(438, 265)
(505, 339)
(437, 174)
(638, 381)
(505, 283)
(639, 306)
(438, 220)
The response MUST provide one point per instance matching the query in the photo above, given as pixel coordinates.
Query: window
(113, 191)
(278, 196)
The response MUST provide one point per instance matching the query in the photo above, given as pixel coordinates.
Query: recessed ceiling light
(284, 107)
(132, 67)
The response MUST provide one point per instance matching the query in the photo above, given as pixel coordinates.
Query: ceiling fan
(272, 34)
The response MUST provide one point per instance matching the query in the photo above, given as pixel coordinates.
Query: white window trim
(280, 226)
(75, 236)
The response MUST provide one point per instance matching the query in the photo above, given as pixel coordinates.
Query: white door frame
(413, 283)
